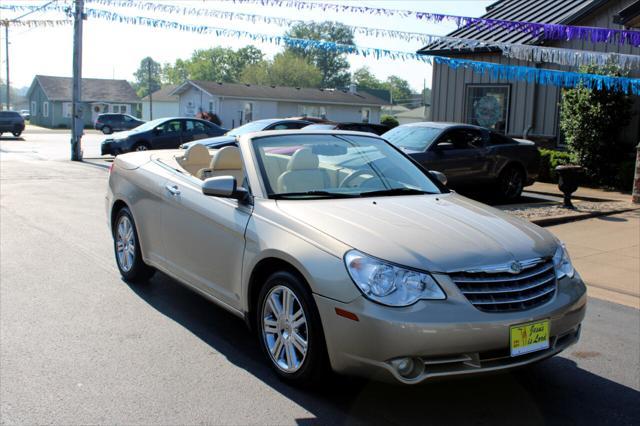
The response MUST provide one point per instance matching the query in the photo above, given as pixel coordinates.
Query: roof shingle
(93, 89)
(299, 94)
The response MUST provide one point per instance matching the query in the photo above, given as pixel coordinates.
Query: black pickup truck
(471, 157)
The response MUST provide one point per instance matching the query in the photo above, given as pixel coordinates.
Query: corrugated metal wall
(530, 104)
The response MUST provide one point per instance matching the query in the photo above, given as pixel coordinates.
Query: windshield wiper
(324, 194)
(395, 191)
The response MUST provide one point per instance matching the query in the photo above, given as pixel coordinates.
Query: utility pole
(149, 88)
(6, 52)
(77, 127)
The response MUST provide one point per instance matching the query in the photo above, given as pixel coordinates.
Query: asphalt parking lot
(78, 345)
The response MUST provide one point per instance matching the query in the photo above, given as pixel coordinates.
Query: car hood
(123, 135)
(439, 233)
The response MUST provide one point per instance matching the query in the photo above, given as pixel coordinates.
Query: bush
(591, 120)
(390, 121)
(549, 160)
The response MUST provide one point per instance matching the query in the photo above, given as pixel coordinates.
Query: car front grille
(496, 290)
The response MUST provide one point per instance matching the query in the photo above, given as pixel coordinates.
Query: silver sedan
(343, 253)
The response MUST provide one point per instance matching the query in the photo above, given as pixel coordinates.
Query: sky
(112, 50)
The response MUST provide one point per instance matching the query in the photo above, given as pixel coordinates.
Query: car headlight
(389, 284)
(562, 263)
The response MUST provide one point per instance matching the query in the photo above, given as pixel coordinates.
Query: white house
(237, 104)
(164, 104)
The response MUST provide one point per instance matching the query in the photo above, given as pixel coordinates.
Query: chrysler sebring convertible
(341, 252)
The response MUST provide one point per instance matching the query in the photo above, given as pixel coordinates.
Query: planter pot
(569, 178)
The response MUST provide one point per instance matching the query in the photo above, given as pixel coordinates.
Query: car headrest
(227, 158)
(197, 154)
(303, 159)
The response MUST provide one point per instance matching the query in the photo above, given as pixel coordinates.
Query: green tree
(176, 73)
(363, 77)
(591, 120)
(389, 120)
(286, 69)
(148, 77)
(333, 65)
(399, 88)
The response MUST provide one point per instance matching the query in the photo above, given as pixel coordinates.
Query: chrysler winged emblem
(515, 267)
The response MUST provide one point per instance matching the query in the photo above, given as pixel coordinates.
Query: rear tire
(16, 134)
(292, 339)
(126, 247)
(107, 130)
(510, 183)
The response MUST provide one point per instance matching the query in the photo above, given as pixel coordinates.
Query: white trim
(45, 109)
(67, 108)
(34, 109)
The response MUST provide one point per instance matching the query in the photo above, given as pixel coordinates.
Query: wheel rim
(125, 244)
(284, 329)
(141, 148)
(511, 183)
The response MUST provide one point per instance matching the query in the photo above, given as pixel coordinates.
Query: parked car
(26, 114)
(254, 126)
(163, 133)
(11, 122)
(339, 250)
(376, 129)
(109, 123)
(471, 157)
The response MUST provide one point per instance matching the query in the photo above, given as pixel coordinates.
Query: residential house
(518, 108)
(50, 100)
(237, 104)
(164, 104)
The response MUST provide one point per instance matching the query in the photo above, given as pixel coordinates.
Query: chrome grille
(496, 290)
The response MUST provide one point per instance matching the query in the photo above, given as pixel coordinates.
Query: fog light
(406, 367)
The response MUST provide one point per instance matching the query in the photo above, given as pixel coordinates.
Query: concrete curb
(557, 220)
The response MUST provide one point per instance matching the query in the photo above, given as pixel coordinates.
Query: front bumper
(449, 337)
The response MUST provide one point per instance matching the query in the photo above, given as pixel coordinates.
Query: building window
(488, 106)
(34, 108)
(366, 115)
(211, 107)
(45, 109)
(66, 109)
(118, 109)
(248, 112)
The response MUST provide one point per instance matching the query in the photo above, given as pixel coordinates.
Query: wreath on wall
(487, 111)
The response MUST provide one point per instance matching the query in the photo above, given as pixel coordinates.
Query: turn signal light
(347, 314)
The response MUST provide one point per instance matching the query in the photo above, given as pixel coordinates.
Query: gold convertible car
(341, 252)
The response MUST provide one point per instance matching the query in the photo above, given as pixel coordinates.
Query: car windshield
(320, 127)
(413, 138)
(254, 126)
(336, 166)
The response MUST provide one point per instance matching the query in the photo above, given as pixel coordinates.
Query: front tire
(126, 246)
(107, 130)
(16, 134)
(141, 146)
(289, 329)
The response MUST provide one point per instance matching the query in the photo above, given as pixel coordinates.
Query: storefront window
(488, 106)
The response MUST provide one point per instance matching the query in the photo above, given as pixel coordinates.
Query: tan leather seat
(195, 158)
(303, 174)
(226, 162)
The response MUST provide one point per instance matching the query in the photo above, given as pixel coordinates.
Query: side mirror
(225, 187)
(157, 131)
(442, 178)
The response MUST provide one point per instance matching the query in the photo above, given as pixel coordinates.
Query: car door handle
(173, 189)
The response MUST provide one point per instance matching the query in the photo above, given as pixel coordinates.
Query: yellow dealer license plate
(531, 337)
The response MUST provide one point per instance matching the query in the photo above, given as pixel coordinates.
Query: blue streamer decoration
(496, 71)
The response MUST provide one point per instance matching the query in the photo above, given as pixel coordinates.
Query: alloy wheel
(284, 329)
(511, 183)
(125, 244)
(141, 148)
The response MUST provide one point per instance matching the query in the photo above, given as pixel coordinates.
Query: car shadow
(11, 138)
(556, 391)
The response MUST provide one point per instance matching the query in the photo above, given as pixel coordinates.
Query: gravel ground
(556, 210)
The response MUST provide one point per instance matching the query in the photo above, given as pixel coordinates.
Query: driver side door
(458, 153)
(204, 237)
(168, 135)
